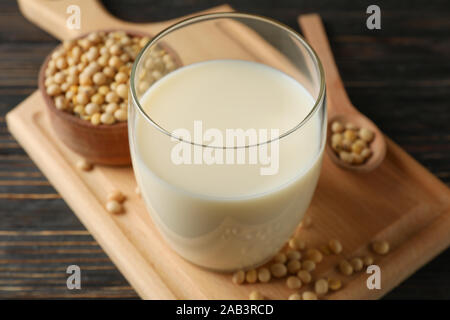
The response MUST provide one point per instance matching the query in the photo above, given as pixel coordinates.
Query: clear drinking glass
(247, 222)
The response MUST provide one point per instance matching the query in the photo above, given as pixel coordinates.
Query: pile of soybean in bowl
(89, 77)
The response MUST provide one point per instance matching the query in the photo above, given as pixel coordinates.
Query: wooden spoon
(340, 107)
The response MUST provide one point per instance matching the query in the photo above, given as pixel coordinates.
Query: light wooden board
(400, 201)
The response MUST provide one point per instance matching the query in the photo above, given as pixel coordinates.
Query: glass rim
(222, 15)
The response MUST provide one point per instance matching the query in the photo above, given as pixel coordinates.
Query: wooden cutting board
(400, 201)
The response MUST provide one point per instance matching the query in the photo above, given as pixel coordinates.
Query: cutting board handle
(52, 16)
(314, 32)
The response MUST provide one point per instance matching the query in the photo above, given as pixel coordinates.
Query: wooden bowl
(99, 144)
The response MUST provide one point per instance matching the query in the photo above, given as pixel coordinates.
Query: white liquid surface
(226, 216)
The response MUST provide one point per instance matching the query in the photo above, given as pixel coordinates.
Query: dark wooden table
(398, 76)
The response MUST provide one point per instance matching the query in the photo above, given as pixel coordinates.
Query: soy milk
(227, 216)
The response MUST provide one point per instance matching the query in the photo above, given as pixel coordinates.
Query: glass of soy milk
(227, 123)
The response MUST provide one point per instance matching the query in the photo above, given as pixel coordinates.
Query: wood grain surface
(398, 76)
